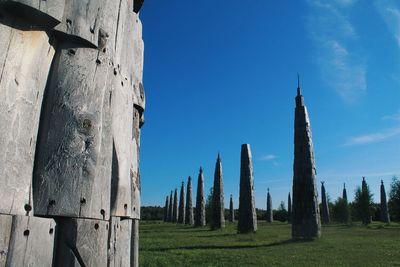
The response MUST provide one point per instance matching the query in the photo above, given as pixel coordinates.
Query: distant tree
(208, 206)
(363, 203)
(261, 214)
(394, 199)
(340, 211)
(281, 214)
(151, 213)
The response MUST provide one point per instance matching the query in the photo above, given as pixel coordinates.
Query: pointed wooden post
(189, 216)
(200, 214)
(306, 222)
(218, 209)
(247, 219)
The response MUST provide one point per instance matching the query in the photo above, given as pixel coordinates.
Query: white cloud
(332, 34)
(373, 138)
(393, 117)
(390, 13)
(268, 157)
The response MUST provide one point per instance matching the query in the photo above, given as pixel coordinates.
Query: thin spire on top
(201, 169)
(298, 84)
(344, 185)
(268, 189)
(381, 181)
(218, 158)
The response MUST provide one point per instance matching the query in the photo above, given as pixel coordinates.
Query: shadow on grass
(280, 243)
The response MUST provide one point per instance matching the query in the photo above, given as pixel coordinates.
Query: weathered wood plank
(72, 173)
(119, 242)
(128, 106)
(25, 59)
(5, 233)
(135, 243)
(73, 170)
(81, 242)
(44, 13)
(30, 241)
(81, 21)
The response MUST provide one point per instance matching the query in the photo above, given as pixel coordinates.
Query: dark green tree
(340, 211)
(394, 199)
(363, 203)
(281, 214)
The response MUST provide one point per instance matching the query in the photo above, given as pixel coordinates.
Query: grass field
(166, 244)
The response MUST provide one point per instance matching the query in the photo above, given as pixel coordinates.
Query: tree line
(362, 208)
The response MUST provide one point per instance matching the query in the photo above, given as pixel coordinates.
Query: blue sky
(218, 74)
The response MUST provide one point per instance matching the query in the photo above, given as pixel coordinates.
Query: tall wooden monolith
(218, 209)
(166, 209)
(346, 212)
(270, 215)
(247, 217)
(289, 209)
(384, 206)
(189, 216)
(181, 213)
(324, 205)
(306, 222)
(72, 97)
(200, 212)
(231, 210)
(175, 211)
(171, 207)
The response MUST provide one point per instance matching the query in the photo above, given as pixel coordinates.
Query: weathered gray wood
(269, 216)
(200, 215)
(72, 174)
(189, 216)
(25, 59)
(120, 235)
(306, 221)
(324, 205)
(44, 13)
(175, 211)
(182, 210)
(231, 210)
(30, 241)
(127, 106)
(135, 162)
(135, 243)
(247, 217)
(81, 242)
(82, 20)
(5, 233)
(170, 207)
(218, 208)
(384, 205)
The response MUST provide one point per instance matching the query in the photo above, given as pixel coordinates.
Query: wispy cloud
(268, 157)
(373, 137)
(392, 117)
(332, 34)
(390, 13)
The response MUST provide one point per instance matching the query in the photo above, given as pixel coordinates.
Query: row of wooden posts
(304, 210)
(182, 212)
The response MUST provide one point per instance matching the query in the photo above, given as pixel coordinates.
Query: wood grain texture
(43, 13)
(81, 21)
(81, 242)
(119, 253)
(25, 59)
(73, 170)
(135, 243)
(30, 241)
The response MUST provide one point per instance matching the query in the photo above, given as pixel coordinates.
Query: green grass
(166, 244)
